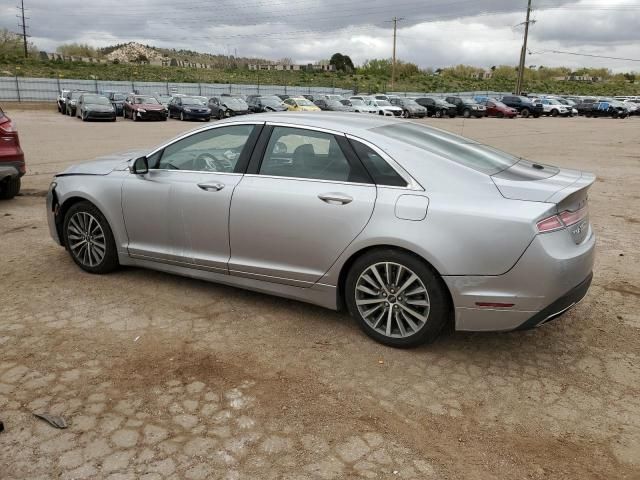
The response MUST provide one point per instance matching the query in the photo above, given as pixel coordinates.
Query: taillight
(550, 224)
(562, 220)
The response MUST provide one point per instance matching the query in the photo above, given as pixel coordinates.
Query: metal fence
(24, 89)
(477, 93)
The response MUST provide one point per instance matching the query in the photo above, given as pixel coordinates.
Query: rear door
(304, 199)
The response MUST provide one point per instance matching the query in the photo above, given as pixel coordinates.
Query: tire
(430, 319)
(438, 113)
(10, 188)
(124, 113)
(134, 117)
(536, 115)
(554, 113)
(83, 116)
(466, 113)
(525, 113)
(220, 115)
(74, 228)
(182, 116)
(406, 114)
(615, 114)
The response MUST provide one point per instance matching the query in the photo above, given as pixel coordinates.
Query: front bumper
(93, 115)
(151, 115)
(52, 207)
(551, 270)
(197, 115)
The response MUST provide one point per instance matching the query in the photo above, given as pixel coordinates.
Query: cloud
(432, 34)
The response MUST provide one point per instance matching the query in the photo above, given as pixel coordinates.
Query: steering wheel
(206, 161)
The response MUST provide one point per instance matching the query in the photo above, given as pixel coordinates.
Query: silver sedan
(408, 227)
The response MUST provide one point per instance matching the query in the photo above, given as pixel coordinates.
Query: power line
(562, 52)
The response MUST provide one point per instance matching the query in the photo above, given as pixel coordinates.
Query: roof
(339, 121)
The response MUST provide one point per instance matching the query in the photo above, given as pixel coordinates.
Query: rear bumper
(12, 165)
(548, 279)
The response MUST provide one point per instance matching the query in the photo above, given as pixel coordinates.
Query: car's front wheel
(396, 298)
(466, 113)
(89, 239)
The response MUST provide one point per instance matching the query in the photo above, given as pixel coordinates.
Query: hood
(99, 108)
(390, 107)
(148, 106)
(103, 165)
(279, 108)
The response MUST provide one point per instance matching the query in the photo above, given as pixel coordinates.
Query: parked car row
(89, 106)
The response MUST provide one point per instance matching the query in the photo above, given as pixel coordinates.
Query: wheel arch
(346, 266)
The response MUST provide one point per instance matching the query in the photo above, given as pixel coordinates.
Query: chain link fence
(23, 89)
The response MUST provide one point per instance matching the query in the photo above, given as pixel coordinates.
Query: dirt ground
(167, 377)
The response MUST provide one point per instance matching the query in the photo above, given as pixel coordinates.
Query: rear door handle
(335, 198)
(211, 187)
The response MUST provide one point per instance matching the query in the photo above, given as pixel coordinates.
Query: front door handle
(211, 187)
(335, 198)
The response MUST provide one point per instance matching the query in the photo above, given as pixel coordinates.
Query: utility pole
(523, 53)
(395, 21)
(24, 28)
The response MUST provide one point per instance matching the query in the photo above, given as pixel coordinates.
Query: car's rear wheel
(9, 188)
(396, 298)
(406, 114)
(89, 239)
(220, 115)
(525, 113)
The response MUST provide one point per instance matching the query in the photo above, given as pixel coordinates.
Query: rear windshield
(452, 147)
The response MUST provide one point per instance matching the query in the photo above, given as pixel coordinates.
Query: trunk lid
(566, 188)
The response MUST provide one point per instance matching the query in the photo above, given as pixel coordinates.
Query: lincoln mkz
(408, 227)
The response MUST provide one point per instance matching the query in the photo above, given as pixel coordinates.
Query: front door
(306, 202)
(179, 211)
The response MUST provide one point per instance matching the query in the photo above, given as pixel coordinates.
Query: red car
(143, 107)
(12, 166)
(499, 109)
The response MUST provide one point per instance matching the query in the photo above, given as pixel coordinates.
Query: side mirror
(140, 166)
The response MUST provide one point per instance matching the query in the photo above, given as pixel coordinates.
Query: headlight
(142, 110)
(187, 109)
(207, 110)
(474, 107)
(72, 102)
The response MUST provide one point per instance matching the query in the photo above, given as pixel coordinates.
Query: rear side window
(381, 172)
(452, 147)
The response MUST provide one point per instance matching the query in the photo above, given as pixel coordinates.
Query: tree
(12, 47)
(342, 62)
(77, 50)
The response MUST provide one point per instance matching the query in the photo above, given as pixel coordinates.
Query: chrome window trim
(412, 183)
(335, 182)
(194, 171)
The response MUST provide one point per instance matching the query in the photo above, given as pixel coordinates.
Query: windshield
(410, 103)
(383, 103)
(96, 99)
(146, 100)
(357, 102)
(553, 101)
(119, 97)
(271, 101)
(234, 102)
(499, 104)
(303, 102)
(164, 98)
(452, 147)
(76, 94)
(334, 104)
(191, 101)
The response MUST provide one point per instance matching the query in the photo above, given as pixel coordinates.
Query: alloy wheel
(392, 299)
(86, 239)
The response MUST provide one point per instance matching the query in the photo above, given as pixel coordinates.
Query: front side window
(300, 153)
(214, 150)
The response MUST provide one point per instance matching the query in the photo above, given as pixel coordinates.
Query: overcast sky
(433, 33)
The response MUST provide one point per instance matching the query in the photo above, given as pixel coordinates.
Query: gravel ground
(167, 377)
